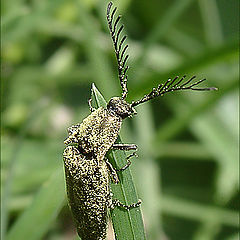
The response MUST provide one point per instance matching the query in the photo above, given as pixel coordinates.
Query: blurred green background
(187, 170)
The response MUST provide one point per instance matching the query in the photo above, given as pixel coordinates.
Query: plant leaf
(126, 224)
(34, 222)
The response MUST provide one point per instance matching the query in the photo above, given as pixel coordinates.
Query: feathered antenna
(120, 50)
(170, 86)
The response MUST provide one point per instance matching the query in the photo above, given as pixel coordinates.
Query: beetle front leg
(128, 162)
(92, 109)
(112, 172)
(124, 146)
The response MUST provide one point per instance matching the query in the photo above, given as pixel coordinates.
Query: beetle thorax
(120, 107)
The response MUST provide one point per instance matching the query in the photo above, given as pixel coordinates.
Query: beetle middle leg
(113, 171)
(124, 146)
(128, 162)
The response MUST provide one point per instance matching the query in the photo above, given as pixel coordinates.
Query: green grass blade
(228, 51)
(161, 28)
(97, 59)
(220, 143)
(126, 224)
(174, 126)
(198, 212)
(7, 185)
(35, 220)
(211, 22)
(182, 150)
(97, 97)
(147, 166)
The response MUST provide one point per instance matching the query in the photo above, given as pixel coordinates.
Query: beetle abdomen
(88, 193)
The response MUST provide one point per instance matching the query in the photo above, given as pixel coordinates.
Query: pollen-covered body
(87, 176)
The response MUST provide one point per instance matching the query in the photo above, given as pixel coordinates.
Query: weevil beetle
(87, 169)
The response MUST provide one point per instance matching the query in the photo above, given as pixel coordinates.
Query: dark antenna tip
(212, 89)
(109, 7)
(120, 48)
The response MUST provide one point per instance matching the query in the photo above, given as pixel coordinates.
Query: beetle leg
(92, 109)
(112, 172)
(117, 203)
(124, 146)
(128, 162)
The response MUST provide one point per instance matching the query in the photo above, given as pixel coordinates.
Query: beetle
(87, 170)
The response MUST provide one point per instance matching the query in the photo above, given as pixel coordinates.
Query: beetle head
(120, 107)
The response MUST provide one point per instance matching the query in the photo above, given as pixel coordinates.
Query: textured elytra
(88, 193)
